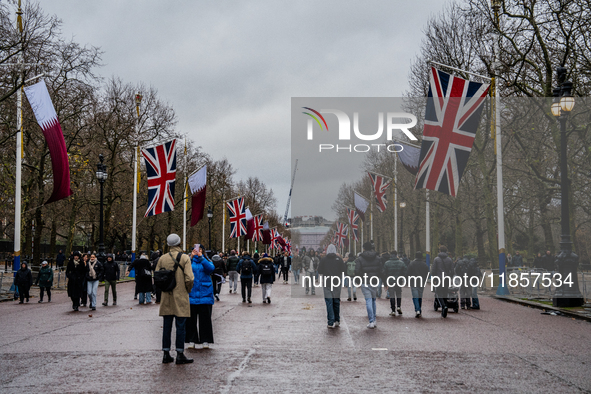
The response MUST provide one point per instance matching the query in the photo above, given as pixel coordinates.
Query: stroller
(453, 300)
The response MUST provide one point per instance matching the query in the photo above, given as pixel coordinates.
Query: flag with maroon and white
(354, 223)
(361, 204)
(46, 116)
(266, 234)
(237, 216)
(197, 184)
(380, 185)
(452, 116)
(249, 224)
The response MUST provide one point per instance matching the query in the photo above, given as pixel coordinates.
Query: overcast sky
(229, 69)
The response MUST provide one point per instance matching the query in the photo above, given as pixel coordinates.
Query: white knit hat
(173, 240)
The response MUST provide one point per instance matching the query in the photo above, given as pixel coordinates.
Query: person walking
(285, 263)
(246, 269)
(75, 272)
(232, 272)
(296, 266)
(59, 260)
(394, 268)
(369, 263)
(349, 278)
(442, 266)
(267, 277)
(517, 259)
(111, 274)
(23, 279)
(175, 305)
(310, 266)
(201, 301)
(143, 279)
(94, 273)
(84, 294)
(218, 275)
(45, 281)
(256, 257)
(332, 266)
(474, 270)
(417, 278)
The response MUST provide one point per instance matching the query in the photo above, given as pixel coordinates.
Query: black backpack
(246, 267)
(164, 279)
(266, 269)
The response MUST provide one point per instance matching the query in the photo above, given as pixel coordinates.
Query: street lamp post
(209, 216)
(101, 175)
(567, 262)
(401, 246)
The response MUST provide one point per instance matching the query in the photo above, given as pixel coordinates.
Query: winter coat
(473, 269)
(332, 265)
(202, 291)
(23, 277)
(45, 277)
(418, 267)
(285, 264)
(59, 260)
(368, 263)
(308, 261)
(517, 261)
(548, 262)
(461, 267)
(442, 265)
(176, 303)
(111, 270)
(266, 278)
(296, 263)
(240, 268)
(98, 270)
(76, 274)
(220, 267)
(143, 282)
(395, 268)
(232, 263)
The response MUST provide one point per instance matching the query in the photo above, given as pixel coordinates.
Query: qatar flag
(198, 186)
(46, 116)
(249, 224)
(266, 234)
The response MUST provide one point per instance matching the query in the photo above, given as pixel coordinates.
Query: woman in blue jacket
(201, 300)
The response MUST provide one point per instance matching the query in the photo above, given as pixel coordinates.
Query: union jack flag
(258, 228)
(379, 187)
(454, 106)
(341, 234)
(354, 223)
(161, 170)
(274, 238)
(237, 214)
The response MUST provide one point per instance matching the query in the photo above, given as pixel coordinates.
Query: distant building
(311, 230)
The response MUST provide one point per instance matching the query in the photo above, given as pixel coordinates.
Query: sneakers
(92, 308)
(371, 325)
(331, 325)
(191, 345)
(337, 323)
(217, 298)
(40, 301)
(399, 311)
(418, 314)
(392, 313)
(105, 303)
(205, 345)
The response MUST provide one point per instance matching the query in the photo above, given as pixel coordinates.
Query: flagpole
(185, 203)
(19, 157)
(224, 226)
(371, 220)
(395, 204)
(502, 289)
(138, 100)
(238, 244)
(427, 231)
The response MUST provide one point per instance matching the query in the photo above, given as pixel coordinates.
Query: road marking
(237, 373)
(379, 348)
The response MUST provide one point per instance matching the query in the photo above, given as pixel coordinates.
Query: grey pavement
(286, 347)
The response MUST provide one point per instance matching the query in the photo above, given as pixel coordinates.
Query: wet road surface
(286, 347)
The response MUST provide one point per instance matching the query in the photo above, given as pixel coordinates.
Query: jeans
(246, 284)
(475, 302)
(348, 283)
(48, 289)
(167, 333)
(266, 288)
(201, 312)
(465, 294)
(309, 281)
(395, 297)
(333, 304)
(233, 278)
(370, 294)
(417, 297)
(276, 268)
(91, 290)
(110, 284)
(256, 278)
(147, 297)
(296, 275)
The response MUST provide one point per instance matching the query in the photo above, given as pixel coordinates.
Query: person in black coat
(332, 266)
(442, 267)
(285, 263)
(218, 275)
(23, 280)
(59, 260)
(143, 278)
(417, 278)
(111, 274)
(75, 272)
(154, 257)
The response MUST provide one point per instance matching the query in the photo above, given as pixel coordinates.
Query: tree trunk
(52, 239)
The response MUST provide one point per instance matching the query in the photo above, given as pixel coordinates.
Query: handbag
(164, 279)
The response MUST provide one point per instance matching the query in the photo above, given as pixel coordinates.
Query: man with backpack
(267, 272)
(232, 271)
(246, 268)
(175, 272)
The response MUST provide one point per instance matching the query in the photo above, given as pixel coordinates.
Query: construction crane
(289, 198)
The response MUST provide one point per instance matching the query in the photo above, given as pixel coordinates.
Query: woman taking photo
(201, 300)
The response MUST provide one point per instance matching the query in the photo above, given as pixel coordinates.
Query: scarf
(91, 267)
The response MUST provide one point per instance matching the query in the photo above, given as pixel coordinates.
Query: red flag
(266, 234)
(197, 184)
(52, 130)
(249, 224)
